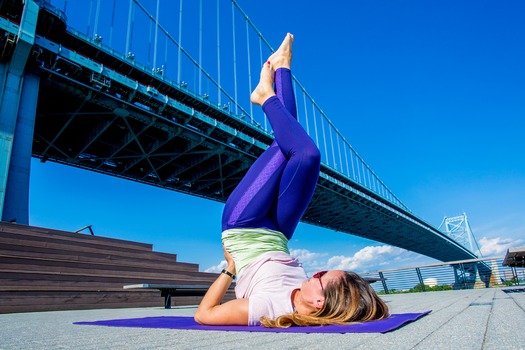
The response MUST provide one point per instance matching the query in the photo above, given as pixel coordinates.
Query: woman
(260, 217)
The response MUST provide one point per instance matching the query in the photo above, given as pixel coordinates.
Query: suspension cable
(128, 34)
(112, 23)
(315, 125)
(156, 35)
(295, 98)
(249, 64)
(97, 15)
(234, 2)
(218, 54)
(346, 162)
(332, 145)
(192, 60)
(305, 113)
(165, 65)
(149, 45)
(234, 60)
(339, 151)
(180, 43)
(352, 162)
(260, 65)
(324, 140)
(200, 47)
(89, 17)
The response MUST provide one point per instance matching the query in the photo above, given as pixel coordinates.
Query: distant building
(431, 282)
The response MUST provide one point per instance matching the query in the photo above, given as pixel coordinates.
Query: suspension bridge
(164, 100)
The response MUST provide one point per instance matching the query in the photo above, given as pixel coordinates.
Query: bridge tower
(466, 274)
(458, 229)
(18, 99)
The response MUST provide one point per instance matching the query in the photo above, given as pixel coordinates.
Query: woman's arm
(212, 312)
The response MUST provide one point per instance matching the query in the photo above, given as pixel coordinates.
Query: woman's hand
(229, 261)
(212, 312)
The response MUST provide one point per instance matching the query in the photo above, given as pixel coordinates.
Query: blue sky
(431, 94)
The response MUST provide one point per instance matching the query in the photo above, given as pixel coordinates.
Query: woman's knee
(311, 154)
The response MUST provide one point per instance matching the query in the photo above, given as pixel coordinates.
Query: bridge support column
(18, 97)
(16, 200)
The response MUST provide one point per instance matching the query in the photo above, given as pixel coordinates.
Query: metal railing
(462, 274)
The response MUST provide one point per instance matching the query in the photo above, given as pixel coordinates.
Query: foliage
(418, 289)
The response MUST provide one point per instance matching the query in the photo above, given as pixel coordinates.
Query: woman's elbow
(198, 317)
(202, 317)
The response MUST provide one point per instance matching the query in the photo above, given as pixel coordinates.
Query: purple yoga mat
(178, 322)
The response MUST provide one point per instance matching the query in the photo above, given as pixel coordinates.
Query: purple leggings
(278, 187)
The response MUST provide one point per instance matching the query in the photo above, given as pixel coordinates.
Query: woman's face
(312, 290)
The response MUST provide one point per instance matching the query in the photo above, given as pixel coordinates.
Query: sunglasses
(319, 275)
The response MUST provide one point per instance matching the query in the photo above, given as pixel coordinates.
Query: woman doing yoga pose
(259, 218)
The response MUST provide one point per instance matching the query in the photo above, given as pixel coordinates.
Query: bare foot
(283, 56)
(264, 90)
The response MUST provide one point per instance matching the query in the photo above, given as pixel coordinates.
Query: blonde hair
(349, 300)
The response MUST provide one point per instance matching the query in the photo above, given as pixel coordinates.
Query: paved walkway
(470, 319)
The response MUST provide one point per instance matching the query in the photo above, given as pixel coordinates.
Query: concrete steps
(44, 269)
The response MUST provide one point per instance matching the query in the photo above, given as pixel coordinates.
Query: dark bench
(371, 280)
(175, 290)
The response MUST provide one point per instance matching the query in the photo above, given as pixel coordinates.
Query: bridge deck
(101, 111)
(468, 319)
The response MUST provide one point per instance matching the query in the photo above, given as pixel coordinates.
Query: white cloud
(497, 245)
(217, 268)
(305, 255)
(311, 261)
(368, 258)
